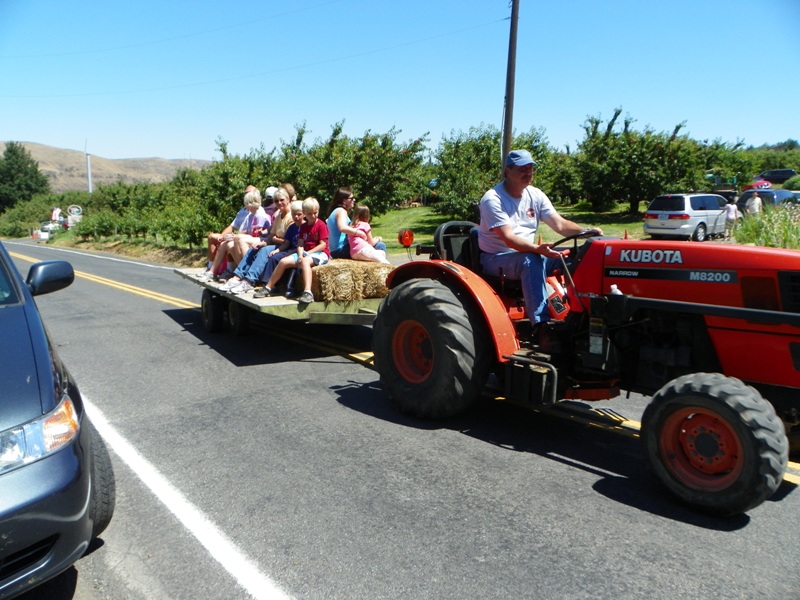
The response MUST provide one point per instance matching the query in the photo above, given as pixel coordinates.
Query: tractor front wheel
(715, 443)
(432, 361)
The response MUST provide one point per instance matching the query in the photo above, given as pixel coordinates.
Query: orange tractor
(710, 331)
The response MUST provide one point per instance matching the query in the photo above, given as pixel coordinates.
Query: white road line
(222, 549)
(90, 255)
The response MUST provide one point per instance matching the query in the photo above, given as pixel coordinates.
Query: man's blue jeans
(531, 269)
(253, 264)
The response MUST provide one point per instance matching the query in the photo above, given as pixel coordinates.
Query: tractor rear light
(405, 238)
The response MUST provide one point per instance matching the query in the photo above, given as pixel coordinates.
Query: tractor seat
(499, 283)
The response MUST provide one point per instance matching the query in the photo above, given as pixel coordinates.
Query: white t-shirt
(236, 224)
(524, 214)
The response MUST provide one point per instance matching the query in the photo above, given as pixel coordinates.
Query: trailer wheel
(211, 307)
(715, 443)
(432, 361)
(238, 318)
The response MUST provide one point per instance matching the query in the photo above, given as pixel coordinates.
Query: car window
(7, 293)
(669, 203)
(698, 202)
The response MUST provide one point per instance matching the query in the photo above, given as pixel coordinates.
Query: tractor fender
(461, 279)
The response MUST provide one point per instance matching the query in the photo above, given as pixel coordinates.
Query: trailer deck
(216, 304)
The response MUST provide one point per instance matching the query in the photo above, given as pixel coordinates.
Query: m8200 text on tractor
(710, 331)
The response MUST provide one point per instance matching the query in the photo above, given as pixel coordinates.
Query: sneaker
(207, 275)
(226, 276)
(290, 294)
(306, 297)
(243, 287)
(262, 292)
(230, 284)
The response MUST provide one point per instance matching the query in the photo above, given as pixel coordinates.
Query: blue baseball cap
(520, 158)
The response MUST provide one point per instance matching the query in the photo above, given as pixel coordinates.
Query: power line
(262, 74)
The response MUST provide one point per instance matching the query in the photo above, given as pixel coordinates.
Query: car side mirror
(49, 276)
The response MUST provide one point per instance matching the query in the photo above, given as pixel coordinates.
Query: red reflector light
(405, 238)
(682, 217)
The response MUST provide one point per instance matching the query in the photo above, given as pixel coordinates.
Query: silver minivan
(694, 216)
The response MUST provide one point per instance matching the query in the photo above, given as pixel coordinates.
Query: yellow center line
(139, 291)
(123, 286)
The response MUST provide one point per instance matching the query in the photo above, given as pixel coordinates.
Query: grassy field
(423, 222)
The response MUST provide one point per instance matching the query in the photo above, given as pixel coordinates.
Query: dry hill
(66, 169)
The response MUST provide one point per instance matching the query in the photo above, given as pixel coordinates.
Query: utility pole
(88, 166)
(508, 117)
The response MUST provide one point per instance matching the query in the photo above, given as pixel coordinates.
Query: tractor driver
(510, 215)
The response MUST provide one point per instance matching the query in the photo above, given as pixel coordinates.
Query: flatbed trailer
(219, 307)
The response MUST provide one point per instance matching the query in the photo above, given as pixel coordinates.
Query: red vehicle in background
(757, 184)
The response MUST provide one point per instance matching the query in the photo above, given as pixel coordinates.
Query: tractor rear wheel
(715, 443)
(432, 360)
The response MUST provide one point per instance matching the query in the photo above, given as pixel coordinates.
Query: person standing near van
(754, 205)
(730, 218)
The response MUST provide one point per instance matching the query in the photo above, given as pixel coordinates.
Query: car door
(715, 213)
(698, 212)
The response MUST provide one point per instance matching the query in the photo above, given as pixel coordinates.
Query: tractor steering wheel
(571, 255)
(576, 236)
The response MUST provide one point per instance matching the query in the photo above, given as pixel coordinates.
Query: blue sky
(144, 78)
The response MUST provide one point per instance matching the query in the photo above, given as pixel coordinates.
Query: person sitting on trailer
(250, 218)
(255, 256)
(247, 275)
(214, 239)
(312, 251)
(510, 214)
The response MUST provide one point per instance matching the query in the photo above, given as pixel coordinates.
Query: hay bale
(343, 280)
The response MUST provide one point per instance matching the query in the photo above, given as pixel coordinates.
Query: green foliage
(20, 178)
(23, 218)
(782, 156)
(382, 171)
(470, 163)
(792, 184)
(615, 163)
(632, 166)
(777, 227)
(97, 224)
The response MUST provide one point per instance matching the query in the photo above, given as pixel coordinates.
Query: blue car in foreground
(57, 489)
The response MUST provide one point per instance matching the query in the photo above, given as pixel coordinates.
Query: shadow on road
(615, 459)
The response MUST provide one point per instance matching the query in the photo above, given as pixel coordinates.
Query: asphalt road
(266, 466)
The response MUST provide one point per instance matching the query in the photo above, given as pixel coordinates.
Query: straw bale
(344, 280)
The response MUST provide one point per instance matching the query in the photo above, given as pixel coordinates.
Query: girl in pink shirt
(364, 249)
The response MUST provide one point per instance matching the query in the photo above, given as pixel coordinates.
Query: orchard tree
(382, 170)
(469, 163)
(20, 178)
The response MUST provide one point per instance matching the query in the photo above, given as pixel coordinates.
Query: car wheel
(715, 443)
(699, 234)
(104, 488)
